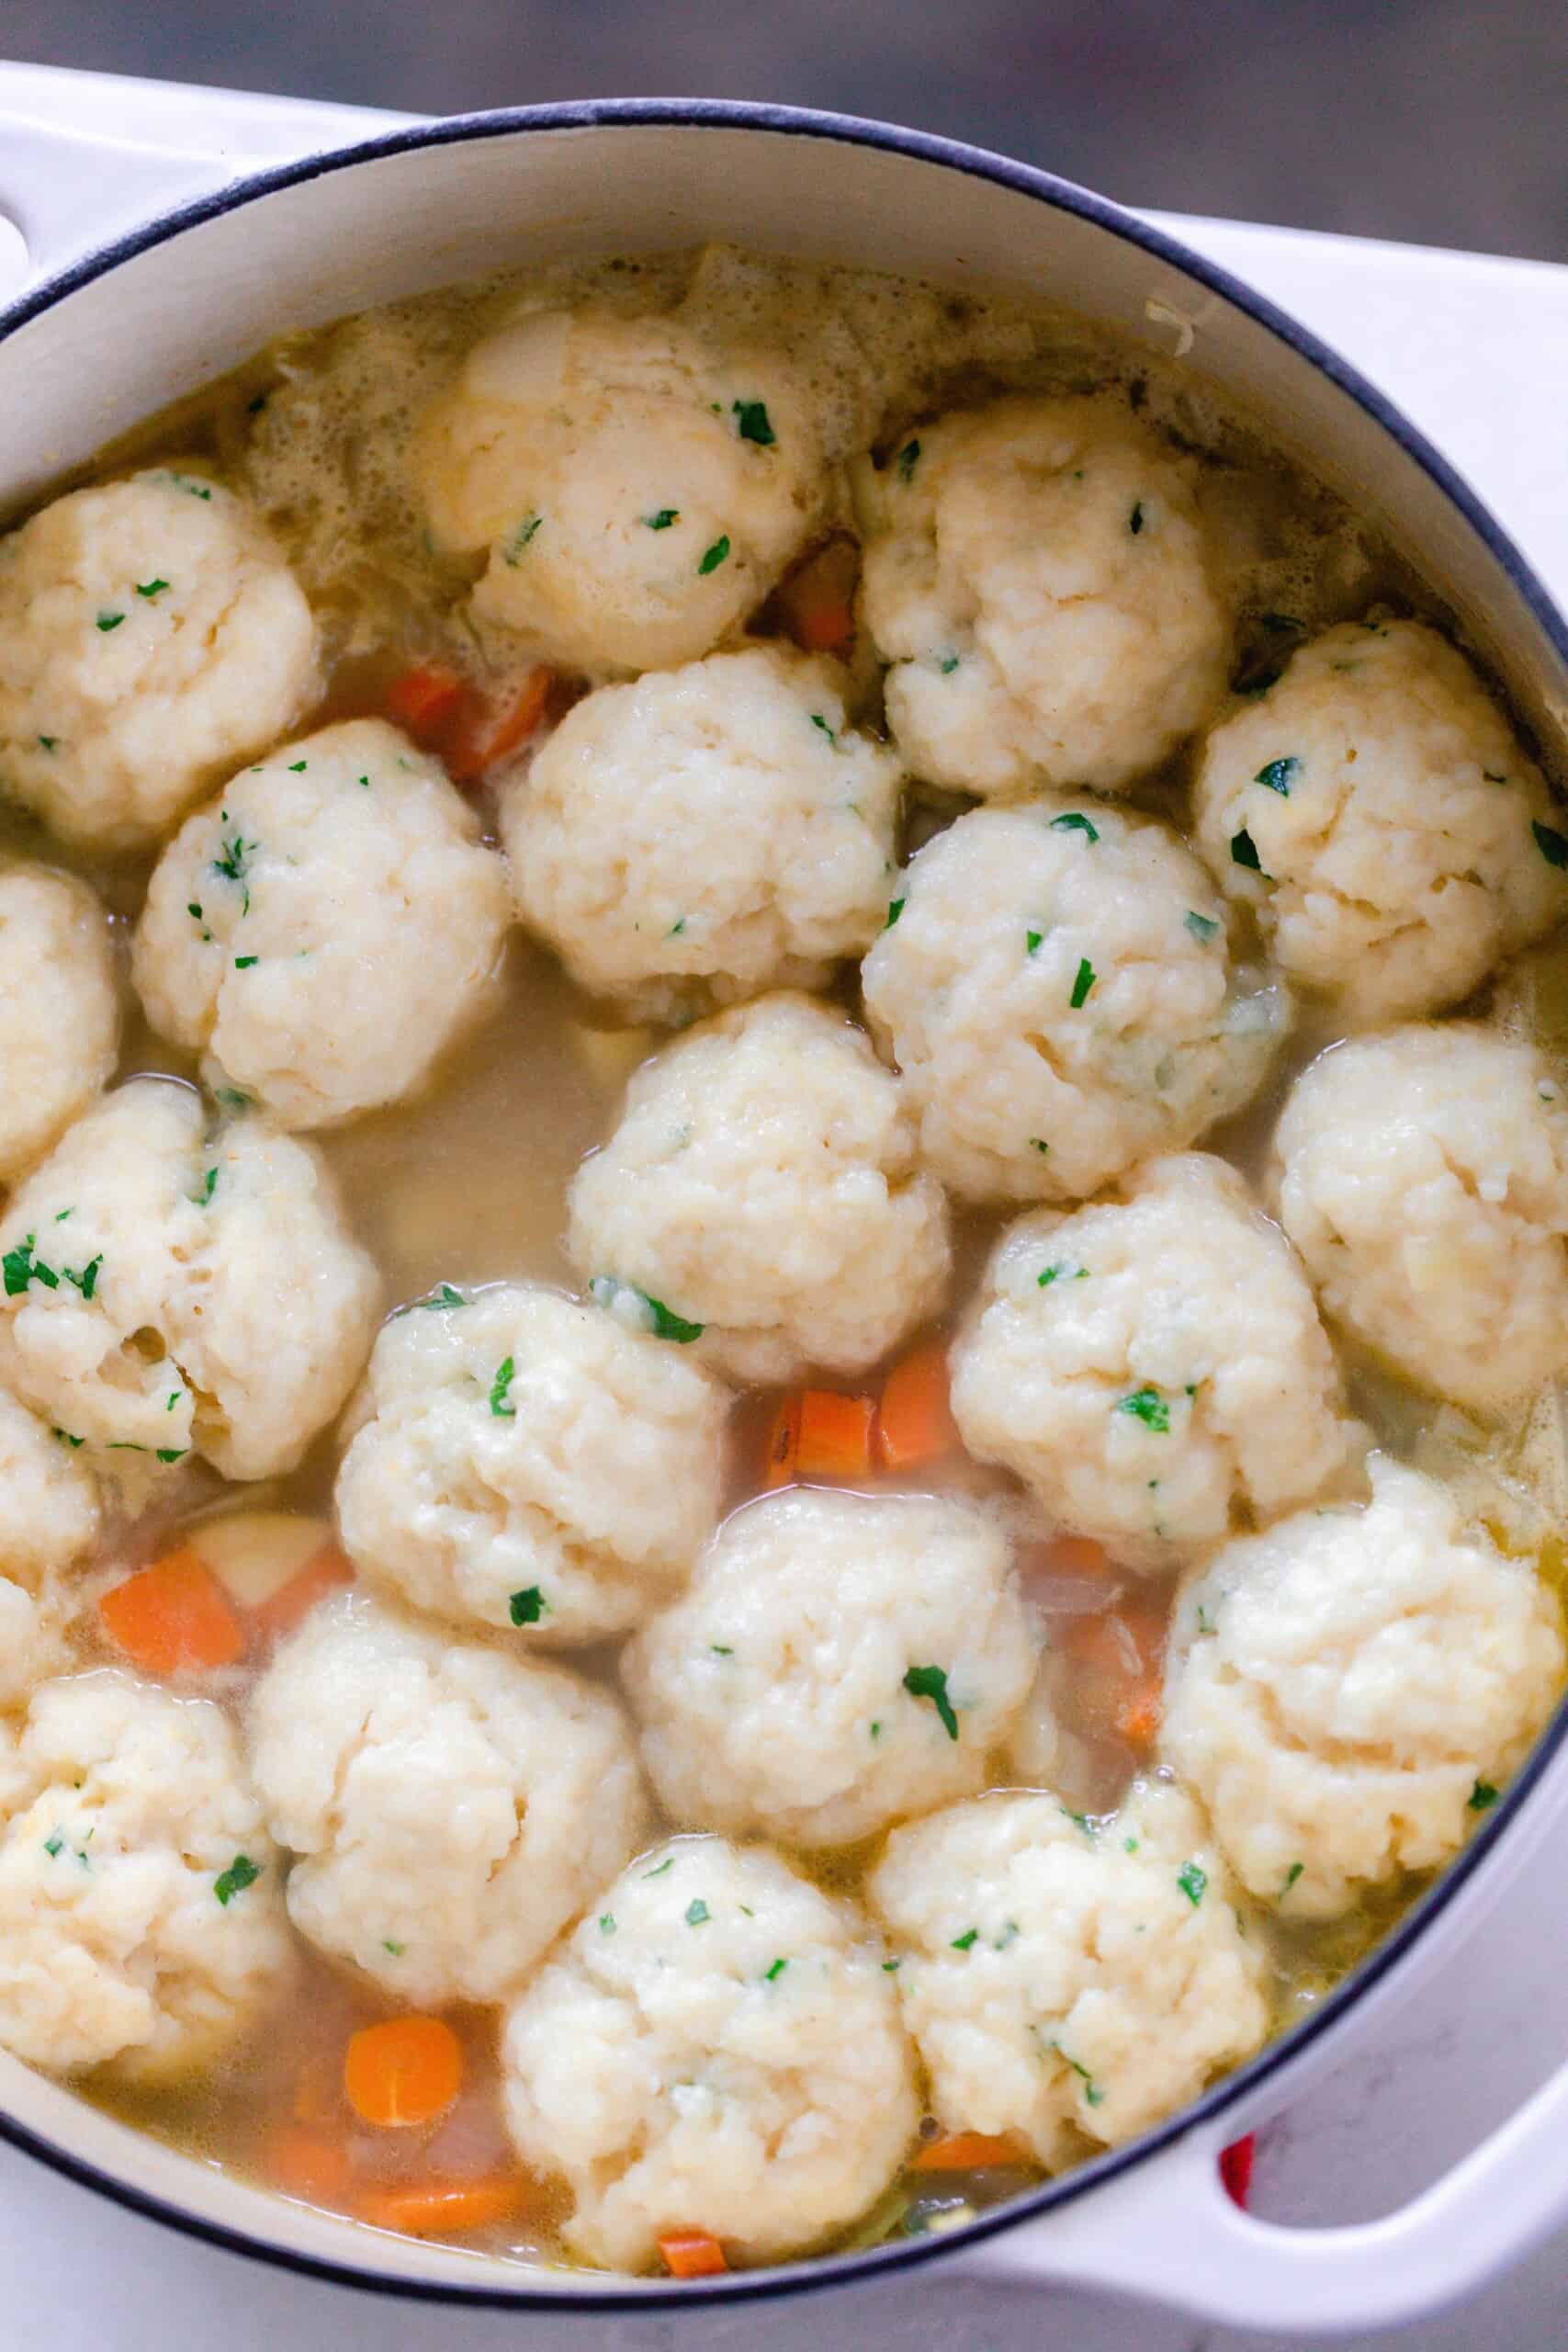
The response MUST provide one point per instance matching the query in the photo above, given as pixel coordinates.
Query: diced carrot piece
(1139, 1715)
(914, 1422)
(406, 2071)
(835, 1435)
(307, 2163)
(172, 1618)
(1235, 2167)
(784, 1442)
(440, 2208)
(692, 2254)
(968, 2152)
(815, 603)
(328, 1572)
(425, 699)
(1076, 1556)
(486, 734)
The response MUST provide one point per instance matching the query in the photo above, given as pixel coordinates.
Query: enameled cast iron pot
(107, 331)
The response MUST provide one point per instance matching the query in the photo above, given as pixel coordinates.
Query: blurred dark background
(1441, 120)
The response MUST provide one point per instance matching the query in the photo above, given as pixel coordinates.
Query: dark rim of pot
(591, 2292)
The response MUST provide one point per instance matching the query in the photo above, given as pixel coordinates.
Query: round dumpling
(532, 1463)
(1036, 572)
(636, 489)
(450, 1808)
(325, 926)
(141, 1920)
(1071, 1980)
(1424, 1177)
(762, 1187)
(716, 2047)
(49, 1518)
(1153, 1368)
(706, 833)
(1057, 988)
(59, 1010)
(811, 1687)
(1346, 1691)
(1378, 812)
(151, 637)
(168, 1289)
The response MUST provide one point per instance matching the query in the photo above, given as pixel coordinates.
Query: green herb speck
(1086, 979)
(242, 1872)
(931, 1682)
(752, 423)
(697, 1912)
(506, 1371)
(713, 556)
(526, 1607)
(1192, 1880)
(1147, 1405)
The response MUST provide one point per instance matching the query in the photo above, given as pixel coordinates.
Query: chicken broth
(455, 1180)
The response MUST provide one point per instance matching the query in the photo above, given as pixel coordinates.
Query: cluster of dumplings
(1062, 995)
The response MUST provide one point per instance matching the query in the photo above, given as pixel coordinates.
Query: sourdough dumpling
(1068, 1979)
(169, 1290)
(1422, 1175)
(715, 2047)
(49, 1518)
(706, 834)
(1057, 989)
(1378, 812)
(763, 1185)
(325, 926)
(141, 1920)
(531, 1463)
(635, 488)
(1346, 1691)
(450, 1807)
(151, 637)
(59, 1010)
(775, 1695)
(1037, 574)
(1153, 1368)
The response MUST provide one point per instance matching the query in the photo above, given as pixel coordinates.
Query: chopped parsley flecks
(232, 1099)
(948, 663)
(661, 1320)
(962, 1943)
(895, 909)
(1205, 1622)
(1278, 776)
(1035, 1145)
(1292, 1875)
(172, 1399)
(242, 1872)
(298, 767)
(21, 1267)
(771, 1976)
(194, 910)
(663, 519)
(526, 1607)
(659, 1868)
(752, 424)
(931, 1682)
(66, 1439)
(711, 558)
(209, 1186)
(1093, 2094)
(109, 620)
(1192, 1878)
(721, 1649)
(889, 1968)
(697, 1912)
(1129, 1845)
(168, 1453)
(1135, 519)
(440, 1301)
(192, 488)
(395, 1948)
(1147, 1405)
(1075, 821)
(499, 1387)
(1482, 1796)
(48, 742)
(521, 537)
(820, 723)
(243, 963)
(53, 1845)
(1552, 845)
(1061, 1273)
(876, 1729)
(676, 928)
(60, 1215)
(908, 459)
(606, 1923)
(150, 588)
(1200, 926)
(1244, 852)
(1084, 980)
(1033, 940)
(233, 864)
(87, 1281)
(1081, 1820)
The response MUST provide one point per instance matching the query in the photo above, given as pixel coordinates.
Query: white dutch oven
(123, 310)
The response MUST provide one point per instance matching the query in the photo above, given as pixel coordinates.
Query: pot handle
(86, 157)
(1168, 2232)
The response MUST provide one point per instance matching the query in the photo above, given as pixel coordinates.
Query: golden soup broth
(466, 1183)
